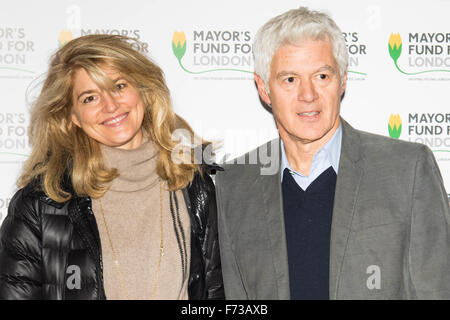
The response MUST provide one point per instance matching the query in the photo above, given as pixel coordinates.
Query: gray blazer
(390, 234)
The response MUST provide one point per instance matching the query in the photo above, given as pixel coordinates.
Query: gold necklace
(161, 248)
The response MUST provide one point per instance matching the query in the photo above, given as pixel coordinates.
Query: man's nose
(307, 91)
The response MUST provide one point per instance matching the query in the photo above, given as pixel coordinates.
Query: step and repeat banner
(399, 67)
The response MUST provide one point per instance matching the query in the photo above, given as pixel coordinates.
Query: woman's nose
(110, 103)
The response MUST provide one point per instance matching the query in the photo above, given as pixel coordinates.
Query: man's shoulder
(375, 145)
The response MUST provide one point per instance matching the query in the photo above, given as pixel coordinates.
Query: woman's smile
(115, 121)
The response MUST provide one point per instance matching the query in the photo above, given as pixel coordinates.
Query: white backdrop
(223, 104)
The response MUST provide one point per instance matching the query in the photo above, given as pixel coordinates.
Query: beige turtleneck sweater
(131, 209)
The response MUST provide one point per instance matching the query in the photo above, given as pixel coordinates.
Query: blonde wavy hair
(61, 150)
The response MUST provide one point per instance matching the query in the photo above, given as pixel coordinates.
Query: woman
(105, 210)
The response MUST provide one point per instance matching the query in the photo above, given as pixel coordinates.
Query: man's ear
(262, 90)
(344, 82)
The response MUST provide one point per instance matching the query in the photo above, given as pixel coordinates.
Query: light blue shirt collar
(327, 156)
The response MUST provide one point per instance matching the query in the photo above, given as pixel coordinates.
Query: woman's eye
(88, 99)
(121, 86)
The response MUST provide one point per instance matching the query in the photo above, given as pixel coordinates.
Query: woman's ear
(75, 119)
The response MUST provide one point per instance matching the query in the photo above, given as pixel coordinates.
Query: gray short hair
(292, 27)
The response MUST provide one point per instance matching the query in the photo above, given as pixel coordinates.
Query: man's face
(305, 91)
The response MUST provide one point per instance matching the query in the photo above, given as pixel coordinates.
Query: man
(347, 214)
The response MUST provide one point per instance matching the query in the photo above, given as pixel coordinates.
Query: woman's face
(111, 118)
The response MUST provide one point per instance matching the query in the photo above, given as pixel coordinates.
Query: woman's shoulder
(27, 194)
(26, 210)
(23, 208)
(30, 199)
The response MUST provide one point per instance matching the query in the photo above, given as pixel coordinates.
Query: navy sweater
(308, 217)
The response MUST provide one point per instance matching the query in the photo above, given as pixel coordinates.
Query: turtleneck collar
(137, 167)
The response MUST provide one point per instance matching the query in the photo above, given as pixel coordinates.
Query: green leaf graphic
(395, 132)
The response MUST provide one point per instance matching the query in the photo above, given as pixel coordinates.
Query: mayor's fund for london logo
(431, 129)
(74, 29)
(16, 49)
(67, 35)
(14, 145)
(214, 52)
(425, 53)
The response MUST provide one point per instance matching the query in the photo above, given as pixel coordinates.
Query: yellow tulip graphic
(395, 126)
(395, 46)
(179, 44)
(64, 37)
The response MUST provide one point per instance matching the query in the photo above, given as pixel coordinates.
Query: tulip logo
(64, 37)
(395, 126)
(395, 50)
(179, 45)
(395, 47)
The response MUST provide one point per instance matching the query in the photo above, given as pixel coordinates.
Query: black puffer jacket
(41, 241)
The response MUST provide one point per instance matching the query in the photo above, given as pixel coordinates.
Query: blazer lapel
(347, 187)
(273, 208)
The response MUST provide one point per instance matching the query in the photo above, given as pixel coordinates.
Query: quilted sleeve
(20, 250)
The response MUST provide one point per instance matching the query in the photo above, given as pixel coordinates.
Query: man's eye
(323, 76)
(290, 79)
(88, 99)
